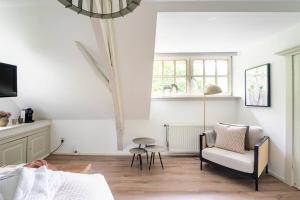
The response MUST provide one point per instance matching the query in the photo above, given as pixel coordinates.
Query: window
(171, 76)
(188, 76)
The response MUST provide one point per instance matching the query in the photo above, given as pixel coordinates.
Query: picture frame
(258, 86)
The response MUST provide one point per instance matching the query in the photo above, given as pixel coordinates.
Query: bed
(22, 183)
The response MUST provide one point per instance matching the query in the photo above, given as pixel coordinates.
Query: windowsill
(194, 97)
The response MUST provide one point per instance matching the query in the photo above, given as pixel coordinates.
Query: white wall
(86, 136)
(53, 77)
(99, 137)
(7, 105)
(188, 112)
(271, 119)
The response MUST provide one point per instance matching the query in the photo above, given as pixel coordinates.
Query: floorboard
(181, 180)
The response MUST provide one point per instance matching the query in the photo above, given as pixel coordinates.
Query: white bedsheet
(44, 184)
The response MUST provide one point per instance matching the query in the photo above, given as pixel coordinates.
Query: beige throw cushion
(231, 138)
(254, 135)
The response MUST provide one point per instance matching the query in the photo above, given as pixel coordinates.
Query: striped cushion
(231, 138)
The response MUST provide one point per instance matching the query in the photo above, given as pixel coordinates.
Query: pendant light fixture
(104, 9)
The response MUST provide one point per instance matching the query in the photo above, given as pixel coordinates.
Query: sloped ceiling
(135, 41)
(218, 32)
(53, 76)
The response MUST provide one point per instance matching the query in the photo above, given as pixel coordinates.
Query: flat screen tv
(8, 80)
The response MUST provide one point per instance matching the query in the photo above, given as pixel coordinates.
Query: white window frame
(190, 59)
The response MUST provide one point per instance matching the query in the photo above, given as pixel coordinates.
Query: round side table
(155, 149)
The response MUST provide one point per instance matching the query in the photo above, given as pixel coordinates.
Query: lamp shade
(212, 89)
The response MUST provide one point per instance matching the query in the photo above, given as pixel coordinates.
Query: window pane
(198, 68)
(167, 86)
(197, 85)
(167, 81)
(210, 67)
(222, 67)
(210, 80)
(157, 86)
(168, 68)
(157, 68)
(223, 84)
(181, 68)
(181, 84)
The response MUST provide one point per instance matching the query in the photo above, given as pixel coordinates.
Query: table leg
(153, 158)
(160, 160)
(150, 161)
(141, 162)
(132, 159)
(147, 157)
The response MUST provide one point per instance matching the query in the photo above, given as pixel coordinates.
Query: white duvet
(43, 184)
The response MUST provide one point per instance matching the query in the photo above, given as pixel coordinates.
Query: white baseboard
(94, 154)
(118, 154)
(272, 173)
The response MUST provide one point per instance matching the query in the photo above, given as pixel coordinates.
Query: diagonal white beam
(92, 62)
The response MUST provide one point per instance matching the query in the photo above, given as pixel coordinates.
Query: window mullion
(174, 68)
(204, 76)
(216, 72)
(189, 67)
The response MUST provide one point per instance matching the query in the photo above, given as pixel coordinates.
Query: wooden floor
(181, 180)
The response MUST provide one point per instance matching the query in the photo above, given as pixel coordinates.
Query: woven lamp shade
(104, 9)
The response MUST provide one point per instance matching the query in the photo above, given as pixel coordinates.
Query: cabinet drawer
(38, 145)
(13, 153)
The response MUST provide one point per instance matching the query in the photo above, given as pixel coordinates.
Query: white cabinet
(13, 152)
(24, 143)
(38, 145)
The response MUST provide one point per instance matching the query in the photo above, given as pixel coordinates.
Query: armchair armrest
(202, 143)
(261, 156)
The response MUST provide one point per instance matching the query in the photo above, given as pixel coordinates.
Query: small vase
(3, 121)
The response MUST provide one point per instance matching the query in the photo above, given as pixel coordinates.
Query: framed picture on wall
(257, 86)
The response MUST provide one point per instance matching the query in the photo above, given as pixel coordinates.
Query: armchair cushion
(231, 137)
(254, 135)
(241, 162)
(210, 138)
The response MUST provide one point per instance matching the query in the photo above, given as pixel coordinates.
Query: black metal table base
(152, 158)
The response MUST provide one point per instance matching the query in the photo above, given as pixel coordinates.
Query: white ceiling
(217, 32)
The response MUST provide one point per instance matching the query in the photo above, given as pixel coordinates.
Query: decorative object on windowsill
(258, 86)
(209, 90)
(4, 118)
(170, 89)
(104, 9)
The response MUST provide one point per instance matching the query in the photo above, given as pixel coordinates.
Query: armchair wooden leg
(267, 169)
(256, 184)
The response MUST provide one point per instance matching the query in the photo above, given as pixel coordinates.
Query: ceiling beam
(92, 62)
(104, 33)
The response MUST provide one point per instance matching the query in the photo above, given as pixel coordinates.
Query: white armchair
(252, 163)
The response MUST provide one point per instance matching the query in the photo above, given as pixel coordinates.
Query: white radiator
(183, 138)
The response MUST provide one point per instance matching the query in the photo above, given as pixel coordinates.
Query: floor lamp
(209, 90)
